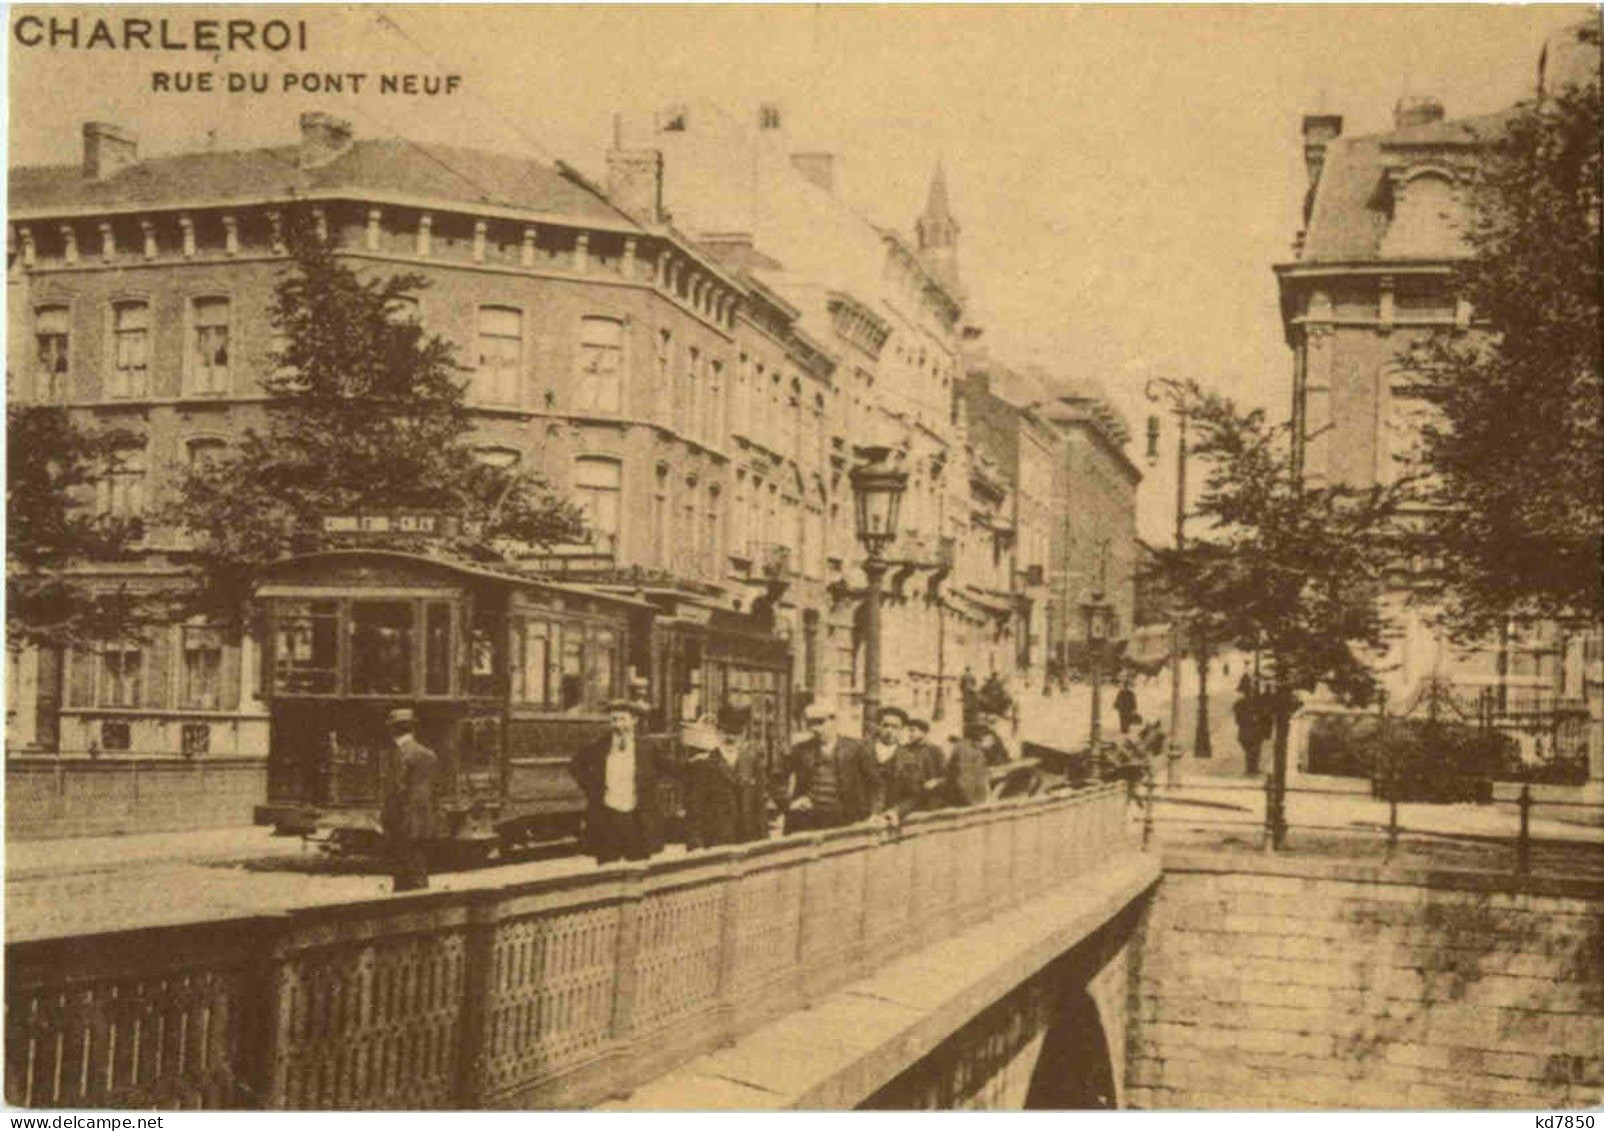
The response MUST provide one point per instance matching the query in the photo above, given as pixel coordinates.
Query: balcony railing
(547, 993)
(772, 560)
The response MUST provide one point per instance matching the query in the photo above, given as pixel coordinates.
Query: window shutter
(158, 652)
(81, 678)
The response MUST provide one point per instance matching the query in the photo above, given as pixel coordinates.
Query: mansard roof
(391, 167)
(1351, 213)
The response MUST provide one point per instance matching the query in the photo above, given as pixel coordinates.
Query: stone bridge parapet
(555, 993)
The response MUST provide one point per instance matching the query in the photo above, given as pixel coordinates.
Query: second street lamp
(877, 487)
(1098, 614)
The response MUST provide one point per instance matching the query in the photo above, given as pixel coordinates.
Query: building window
(50, 333)
(501, 343)
(598, 483)
(716, 417)
(209, 348)
(600, 387)
(661, 388)
(715, 521)
(689, 532)
(130, 349)
(205, 450)
(693, 394)
(122, 489)
(660, 517)
(203, 667)
(122, 670)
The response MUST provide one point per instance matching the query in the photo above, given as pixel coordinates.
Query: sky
(1125, 175)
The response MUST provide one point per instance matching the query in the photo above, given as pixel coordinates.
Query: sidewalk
(25, 858)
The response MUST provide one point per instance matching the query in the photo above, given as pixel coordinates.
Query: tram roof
(468, 570)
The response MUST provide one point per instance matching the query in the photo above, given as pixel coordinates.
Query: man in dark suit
(964, 780)
(894, 774)
(712, 796)
(408, 816)
(826, 785)
(927, 757)
(618, 775)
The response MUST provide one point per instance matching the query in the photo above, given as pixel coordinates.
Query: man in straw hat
(618, 774)
(408, 816)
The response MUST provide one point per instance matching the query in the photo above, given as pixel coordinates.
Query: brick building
(1371, 276)
(1062, 447)
(606, 351)
(888, 309)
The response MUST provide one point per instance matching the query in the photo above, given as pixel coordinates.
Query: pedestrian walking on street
(826, 780)
(618, 775)
(712, 796)
(408, 815)
(1125, 706)
(1253, 721)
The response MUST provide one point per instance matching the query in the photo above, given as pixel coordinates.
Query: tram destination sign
(392, 524)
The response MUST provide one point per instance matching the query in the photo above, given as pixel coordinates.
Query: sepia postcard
(803, 557)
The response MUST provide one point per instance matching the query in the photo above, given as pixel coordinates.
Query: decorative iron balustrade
(549, 993)
(771, 560)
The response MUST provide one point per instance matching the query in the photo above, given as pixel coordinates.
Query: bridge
(864, 952)
(1027, 954)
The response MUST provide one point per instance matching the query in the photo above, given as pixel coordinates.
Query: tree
(1295, 571)
(365, 413)
(52, 467)
(1517, 521)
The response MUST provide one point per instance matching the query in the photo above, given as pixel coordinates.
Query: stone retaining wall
(48, 797)
(1269, 983)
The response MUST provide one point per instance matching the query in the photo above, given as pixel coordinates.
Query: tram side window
(603, 658)
(573, 671)
(437, 649)
(306, 648)
(482, 681)
(381, 648)
(532, 641)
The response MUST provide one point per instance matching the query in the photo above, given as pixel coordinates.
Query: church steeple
(937, 231)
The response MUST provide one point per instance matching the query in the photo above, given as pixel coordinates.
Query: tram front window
(381, 648)
(306, 648)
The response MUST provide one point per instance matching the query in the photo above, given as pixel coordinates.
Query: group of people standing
(728, 794)
(830, 781)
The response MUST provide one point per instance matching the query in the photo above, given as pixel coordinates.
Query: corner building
(1372, 276)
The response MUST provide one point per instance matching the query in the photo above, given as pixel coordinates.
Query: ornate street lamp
(1099, 616)
(877, 487)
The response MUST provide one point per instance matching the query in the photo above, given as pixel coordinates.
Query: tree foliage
(1272, 565)
(1518, 520)
(52, 525)
(365, 413)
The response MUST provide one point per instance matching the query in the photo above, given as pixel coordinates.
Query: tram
(509, 676)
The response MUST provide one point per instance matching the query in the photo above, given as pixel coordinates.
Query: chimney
(1319, 131)
(323, 138)
(1416, 110)
(635, 183)
(108, 149)
(816, 167)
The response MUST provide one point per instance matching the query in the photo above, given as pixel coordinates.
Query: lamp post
(1202, 745)
(1098, 613)
(877, 487)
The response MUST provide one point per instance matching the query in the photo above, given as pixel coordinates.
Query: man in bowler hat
(408, 816)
